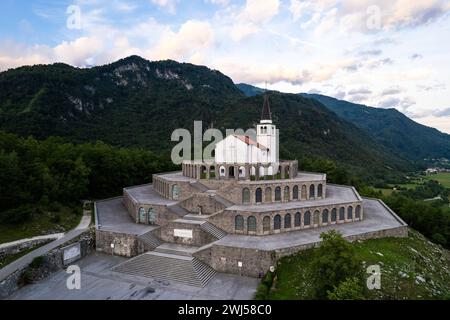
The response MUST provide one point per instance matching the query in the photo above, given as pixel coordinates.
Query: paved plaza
(98, 282)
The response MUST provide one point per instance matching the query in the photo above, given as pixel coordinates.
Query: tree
(334, 262)
(349, 289)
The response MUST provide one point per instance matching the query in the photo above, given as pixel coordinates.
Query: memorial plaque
(71, 253)
(182, 233)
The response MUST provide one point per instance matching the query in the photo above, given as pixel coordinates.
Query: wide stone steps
(223, 201)
(213, 230)
(150, 239)
(172, 248)
(199, 186)
(178, 210)
(169, 267)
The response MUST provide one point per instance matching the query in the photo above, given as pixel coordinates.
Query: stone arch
(304, 193)
(258, 195)
(239, 223)
(245, 196)
(333, 215)
(261, 171)
(203, 172)
(358, 212)
(341, 214)
(151, 216)
(241, 172)
(222, 171)
(320, 191)
(231, 172)
(287, 221)
(268, 194)
(253, 171)
(142, 215)
(312, 192)
(325, 216)
(297, 219)
(350, 213)
(278, 193)
(295, 192)
(307, 218)
(212, 172)
(270, 170)
(175, 192)
(251, 224)
(266, 224)
(286, 194)
(316, 217)
(277, 222)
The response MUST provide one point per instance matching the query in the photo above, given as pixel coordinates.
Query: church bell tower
(266, 133)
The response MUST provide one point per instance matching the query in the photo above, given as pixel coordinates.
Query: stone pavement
(25, 260)
(98, 282)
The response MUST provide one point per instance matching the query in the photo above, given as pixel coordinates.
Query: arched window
(287, 221)
(245, 195)
(277, 194)
(320, 190)
(241, 172)
(176, 192)
(333, 215)
(307, 218)
(312, 190)
(268, 194)
(287, 195)
(222, 171)
(304, 193)
(295, 193)
(266, 223)
(297, 220)
(251, 224)
(358, 212)
(151, 216)
(277, 222)
(350, 213)
(342, 213)
(239, 223)
(316, 217)
(258, 195)
(142, 215)
(324, 216)
(231, 171)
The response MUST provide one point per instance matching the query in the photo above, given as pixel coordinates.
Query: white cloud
(258, 11)
(168, 5)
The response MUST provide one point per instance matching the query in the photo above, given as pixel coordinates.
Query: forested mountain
(389, 127)
(137, 103)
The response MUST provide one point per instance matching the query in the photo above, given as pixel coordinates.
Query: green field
(60, 219)
(411, 268)
(442, 177)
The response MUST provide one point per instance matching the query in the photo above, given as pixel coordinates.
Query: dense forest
(46, 172)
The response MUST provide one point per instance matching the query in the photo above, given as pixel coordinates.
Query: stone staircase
(213, 230)
(178, 210)
(177, 249)
(199, 186)
(150, 239)
(169, 267)
(223, 201)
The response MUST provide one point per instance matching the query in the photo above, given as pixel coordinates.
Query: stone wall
(18, 247)
(50, 263)
(256, 262)
(226, 219)
(205, 201)
(125, 245)
(199, 237)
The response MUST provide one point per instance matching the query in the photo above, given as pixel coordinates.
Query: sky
(381, 53)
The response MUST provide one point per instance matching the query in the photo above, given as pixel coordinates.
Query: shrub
(37, 262)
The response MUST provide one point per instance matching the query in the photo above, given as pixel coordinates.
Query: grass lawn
(442, 177)
(411, 268)
(59, 219)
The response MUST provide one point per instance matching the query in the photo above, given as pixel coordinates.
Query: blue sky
(383, 53)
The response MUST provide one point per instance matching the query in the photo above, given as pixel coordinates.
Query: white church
(240, 149)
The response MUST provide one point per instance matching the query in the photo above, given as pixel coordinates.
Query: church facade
(237, 214)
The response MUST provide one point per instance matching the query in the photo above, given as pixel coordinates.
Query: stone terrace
(377, 218)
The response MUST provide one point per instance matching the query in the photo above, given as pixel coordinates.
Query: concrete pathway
(25, 260)
(44, 237)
